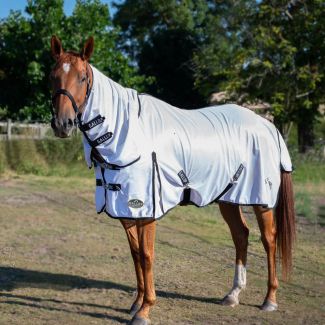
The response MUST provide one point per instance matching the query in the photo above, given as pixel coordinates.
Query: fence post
(42, 131)
(9, 125)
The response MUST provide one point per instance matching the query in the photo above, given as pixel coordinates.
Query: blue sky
(7, 5)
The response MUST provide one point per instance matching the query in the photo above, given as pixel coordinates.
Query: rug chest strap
(92, 123)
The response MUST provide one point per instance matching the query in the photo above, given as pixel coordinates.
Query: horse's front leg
(146, 235)
(132, 235)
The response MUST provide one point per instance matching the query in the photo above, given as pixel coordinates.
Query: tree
(25, 60)
(161, 36)
(278, 58)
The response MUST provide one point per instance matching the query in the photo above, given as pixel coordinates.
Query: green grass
(306, 171)
(43, 157)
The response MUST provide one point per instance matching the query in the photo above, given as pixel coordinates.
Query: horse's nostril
(70, 122)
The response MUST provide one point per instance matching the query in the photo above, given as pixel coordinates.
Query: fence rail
(16, 130)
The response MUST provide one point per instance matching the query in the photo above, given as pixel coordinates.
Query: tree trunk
(306, 135)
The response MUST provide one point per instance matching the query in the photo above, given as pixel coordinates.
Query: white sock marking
(239, 281)
(240, 276)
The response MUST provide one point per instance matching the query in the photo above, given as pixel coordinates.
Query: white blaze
(66, 67)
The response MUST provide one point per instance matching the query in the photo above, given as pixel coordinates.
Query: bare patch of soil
(21, 200)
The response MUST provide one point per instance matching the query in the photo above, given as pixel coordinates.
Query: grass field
(61, 263)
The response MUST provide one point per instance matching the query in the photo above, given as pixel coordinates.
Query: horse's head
(71, 82)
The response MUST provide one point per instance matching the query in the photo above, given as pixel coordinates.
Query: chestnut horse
(71, 80)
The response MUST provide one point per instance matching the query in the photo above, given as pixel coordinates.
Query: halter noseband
(65, 92)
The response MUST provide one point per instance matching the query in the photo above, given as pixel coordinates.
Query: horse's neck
(115, 99)
(119, 107)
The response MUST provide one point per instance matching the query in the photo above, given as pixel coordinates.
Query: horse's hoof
(269, 306)
(230, 300)
(137, 320)
(134, 309)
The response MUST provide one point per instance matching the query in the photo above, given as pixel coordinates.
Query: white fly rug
(158, 155)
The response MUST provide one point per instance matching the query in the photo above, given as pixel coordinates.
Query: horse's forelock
(70, 57)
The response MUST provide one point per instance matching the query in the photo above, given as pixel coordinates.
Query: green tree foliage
(25, 59)
(161, 36)
(271, 50)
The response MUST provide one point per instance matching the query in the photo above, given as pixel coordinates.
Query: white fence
(16, 130)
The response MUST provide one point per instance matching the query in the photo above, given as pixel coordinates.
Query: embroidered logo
(267, 181)
(135, 203)
(183, 177)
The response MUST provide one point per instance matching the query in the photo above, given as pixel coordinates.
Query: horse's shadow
(13, 278)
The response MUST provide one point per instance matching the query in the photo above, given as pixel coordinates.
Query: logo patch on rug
(135, 203)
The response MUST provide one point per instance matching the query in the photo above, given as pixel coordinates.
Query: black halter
(73, 102)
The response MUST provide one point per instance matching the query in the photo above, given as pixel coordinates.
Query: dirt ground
(61, 263)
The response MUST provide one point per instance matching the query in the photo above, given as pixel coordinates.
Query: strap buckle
(108, 186)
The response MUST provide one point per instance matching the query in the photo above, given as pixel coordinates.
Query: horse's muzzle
(62, 128)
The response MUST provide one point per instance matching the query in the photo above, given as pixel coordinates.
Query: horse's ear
(56, 47)
(88, 49)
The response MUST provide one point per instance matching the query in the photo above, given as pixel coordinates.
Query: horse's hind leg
(265, 219)
(239, 232)
(132, 235)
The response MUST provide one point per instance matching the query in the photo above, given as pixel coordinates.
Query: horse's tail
(285, 223)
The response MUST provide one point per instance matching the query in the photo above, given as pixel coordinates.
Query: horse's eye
(83, 79)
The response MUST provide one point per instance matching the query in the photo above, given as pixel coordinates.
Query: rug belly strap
(108, 186)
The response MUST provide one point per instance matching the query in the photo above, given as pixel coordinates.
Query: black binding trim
(108, 186)
(139, 111)
(156, 167)
(279, 143)
(92, 123)
(153, 188)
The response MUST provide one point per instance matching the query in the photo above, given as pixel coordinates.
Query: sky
(7, 5)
